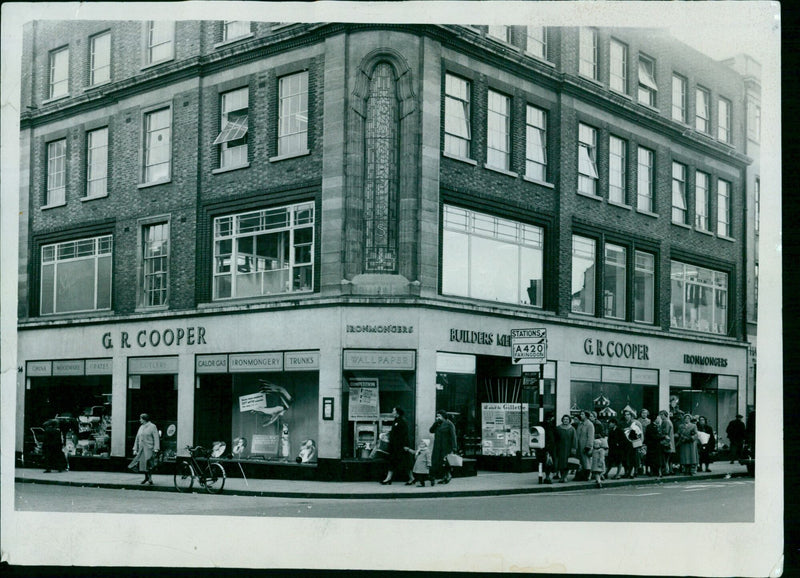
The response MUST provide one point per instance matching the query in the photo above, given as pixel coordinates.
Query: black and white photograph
(413, 286)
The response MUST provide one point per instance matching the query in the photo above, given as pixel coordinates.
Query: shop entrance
(704, 394)
(157, 396)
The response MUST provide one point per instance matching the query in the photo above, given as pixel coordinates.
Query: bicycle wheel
(184, 477)
(215, 479)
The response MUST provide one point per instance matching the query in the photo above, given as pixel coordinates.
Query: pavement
(484, 484)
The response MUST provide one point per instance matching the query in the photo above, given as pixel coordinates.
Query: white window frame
(679, 84)
(234, 108)
(498, 130)
(588, 286)
(100, 74)
(618, 66)
(648, 87)
(645, 179)
(724, 208)
(147, 148)
(617, 169)
(536, 43)
(58, 84)
(292, 113)
(92, 248)
(457, 110)
(615, 300)
(499, 32)
(757, 205)
(702, 111)
(165, 27)
(536, 143)
(588, 49)
(145, 290)
(724, 120)
(240, 26)
(96, 164)
(56, 173)
(679, 207)
(642, 271)
(587, 159)
(227, 228)
(702, 200)
(688, 279)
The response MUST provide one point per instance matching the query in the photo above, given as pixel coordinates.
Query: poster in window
(500, 429)
(363, 399)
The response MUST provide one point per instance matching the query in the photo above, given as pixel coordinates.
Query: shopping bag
(454, 460)
(703, 437)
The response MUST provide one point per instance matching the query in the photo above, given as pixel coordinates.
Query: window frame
(650, 178)
(93, 81)
(590, 150)
(702, 111)
(503, 117)
(610, 265)
(90, 178)
(757, 205)
(465, 104)
(142, 258)
(753, 121)
(225, 34)
(702, 204)
(287, 99)
(492, 28)
(620, 76)
(50, 186)
(584, 63)
(531, 127)
(634, 290)
(540, 43)
(724, 206)
(149, 46)
(681, 191)
(724, 120)
(684, 278)
(146, 115)
(222, 141)
(647, 82)
(679, 110)
(621, 159)
(587, 241)
(54, 64)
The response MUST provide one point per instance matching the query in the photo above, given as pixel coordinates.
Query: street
(706, 501)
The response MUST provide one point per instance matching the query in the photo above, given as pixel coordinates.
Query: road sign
(529, 344)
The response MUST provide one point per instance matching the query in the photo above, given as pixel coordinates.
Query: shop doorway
(713, 396)
(213, 403)
(157, 396)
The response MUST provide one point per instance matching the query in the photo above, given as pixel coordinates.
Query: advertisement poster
(266, 444)
(363, 399)
(252, 401)
(500, 428)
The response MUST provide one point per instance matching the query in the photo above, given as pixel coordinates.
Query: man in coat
(736, 431)
(585, 443)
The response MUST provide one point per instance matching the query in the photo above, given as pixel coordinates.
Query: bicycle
(209, 473)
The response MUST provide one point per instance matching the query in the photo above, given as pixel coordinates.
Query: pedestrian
(704, 449)
(444, 443)
(585, 444)
(599, 449)
(145, 447)
(737, 432)
(398, 446)
(644, 418)
(652, 441)
(53, 447)
(616, 449)
(422, 465)
(598, 424)
(634, 438)
(687, 445)
(667, 439)
(566, 447)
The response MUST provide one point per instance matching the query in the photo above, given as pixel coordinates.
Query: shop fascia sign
(614, 349)
(480, 337)
(143, 338)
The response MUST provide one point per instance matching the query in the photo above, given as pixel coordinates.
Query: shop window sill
(94, 197)
(538, 182)
(501, 170)
(461, 159)
(229, 169)
(590, 196)
(54, 205)
(279, 158)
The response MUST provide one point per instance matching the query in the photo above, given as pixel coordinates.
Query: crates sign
(529, 344)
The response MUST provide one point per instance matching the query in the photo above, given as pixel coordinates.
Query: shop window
(699, 298)
(160, 43)
(583, 274)
(262, 416)
(498, 144)
(265, 252)
(157, 396)
(644, 185)
(232, 138)
(457, 123)
(100, 57)
(587, 160)
(76, 276)
(293, 114)
(608, 398)
(474, 243)
(59, 73)
(713, 396)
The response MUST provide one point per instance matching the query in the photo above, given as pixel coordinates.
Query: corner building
(271, 234)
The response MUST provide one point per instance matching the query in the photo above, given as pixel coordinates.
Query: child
(599, 449)
(422, 464)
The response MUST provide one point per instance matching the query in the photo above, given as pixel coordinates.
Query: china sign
(529, 344)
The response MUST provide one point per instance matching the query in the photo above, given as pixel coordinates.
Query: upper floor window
(617, 162)
(587, 51)
(498, 145)
(757, 204)
(154, 264)
(724, 120)
(644, 287)
(100, 59)
(648, 89)
(500, 32)
(536, 143)
(536, 41)
(157, 145)
(59, 73)
(702, 119)
(644, 186)
(698, 298)
(293, 114)
(457, 133)
(264, 252)
(56, 173)
(97, 162)
(678, 98)
(618, 69)
(587, 159)
(76, 276)
(723, 208)
(473, 243)
(701, 200)
(232, 139)
(584, 260)
(160, 40)
(679, 193)
(233, 29)
(614, 276)
(753, 121)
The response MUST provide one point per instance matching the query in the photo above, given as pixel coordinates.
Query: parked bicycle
(209, 472)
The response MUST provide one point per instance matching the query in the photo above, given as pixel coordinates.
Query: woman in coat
(53, 447)
(146, 445)
(704, 450)
(566, 446)
(398, 446)
(444, 442)
(667, 442)
(652, 441)
(687, 445)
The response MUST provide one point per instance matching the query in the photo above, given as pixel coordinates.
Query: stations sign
(529, 344)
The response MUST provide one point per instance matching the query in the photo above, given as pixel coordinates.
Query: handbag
(573, 463)
(454, 460)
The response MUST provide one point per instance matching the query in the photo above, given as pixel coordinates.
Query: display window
(268, 416)
(713, 396)
(157, 396)
(608, 390)
(82, 406)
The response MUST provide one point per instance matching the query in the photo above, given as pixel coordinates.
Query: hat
(738, 415)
